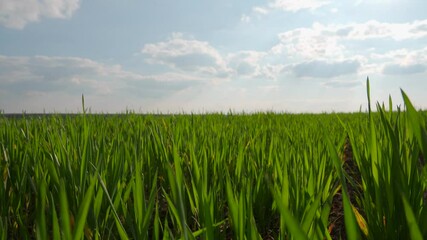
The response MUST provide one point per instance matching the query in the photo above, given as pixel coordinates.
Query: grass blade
(83, 210)
(291, 223)
(65, 216)
(410, 219)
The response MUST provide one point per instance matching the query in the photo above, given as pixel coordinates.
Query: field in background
(217, 176)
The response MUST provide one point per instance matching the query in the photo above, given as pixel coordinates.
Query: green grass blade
(311, 213)
(156, 222)
(417, 125)
(56, 234)
(150, 206)
(65, 216)
(119, 224)
(173, 209)
(410, 219)
(351, 226)
(368, 93)
(423, 221)
(41, 215)
(138, 195)
(52, 172)
(291, 223)
(83, 210)
(232, 204)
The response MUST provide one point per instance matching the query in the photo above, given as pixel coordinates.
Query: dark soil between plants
(354, 183)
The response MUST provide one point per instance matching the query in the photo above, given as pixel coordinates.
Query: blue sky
(209, 56)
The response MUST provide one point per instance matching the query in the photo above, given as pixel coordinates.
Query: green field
(215, 176)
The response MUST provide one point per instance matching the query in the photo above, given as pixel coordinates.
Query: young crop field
(215, 176)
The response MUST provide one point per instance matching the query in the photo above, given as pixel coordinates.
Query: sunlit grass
(216, 176)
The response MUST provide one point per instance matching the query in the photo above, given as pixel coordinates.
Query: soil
(336, 216)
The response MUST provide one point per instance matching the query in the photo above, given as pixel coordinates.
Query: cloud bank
(70, 75)
(17, 14)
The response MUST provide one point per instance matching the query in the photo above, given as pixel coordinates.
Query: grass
(216, 176)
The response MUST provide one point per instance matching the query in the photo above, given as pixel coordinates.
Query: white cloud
(260, 10)
(408, 69)
(245, 18)
(343, 84)
(18, 13)
(375, 30)
(173, 77)
(294, 6)
(253, 64)
(272, 71)
(56, 84)
(323, 69)
(199, 59)
(43, 74)
(47, 74)
(402, 56)
(287, 6)
(334, 10)
(401, 61)
(246, 63)
(309, 43)
(327, 40)
(188, 55)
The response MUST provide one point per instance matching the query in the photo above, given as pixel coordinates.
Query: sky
(199, 56)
